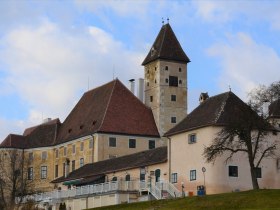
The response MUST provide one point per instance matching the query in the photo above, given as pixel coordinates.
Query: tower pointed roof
(166, 46)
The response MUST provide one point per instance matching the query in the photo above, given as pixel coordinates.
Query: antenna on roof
(167, 19)
(162, 21)
(113, 71)
(229, 88)
(88, 83)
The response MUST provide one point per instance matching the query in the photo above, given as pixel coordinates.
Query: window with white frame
(56, 171)
(44, 155)
(82, 146)
(81, 162)
(258, 172)
(44, 172)
(90, 143)
(233, 171)
(192, 175)
(132, 143)
(192, 138)
(30, 173)
(30, 156)
(152, 144)
(112, 142)
(56, 153)
(73, 148)
(174, 178)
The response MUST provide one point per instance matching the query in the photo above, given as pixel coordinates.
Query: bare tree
(246, 133)
(14, 180)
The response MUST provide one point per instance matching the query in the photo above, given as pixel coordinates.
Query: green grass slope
(248, 200)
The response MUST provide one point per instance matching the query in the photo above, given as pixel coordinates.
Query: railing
(156, 190)
(83, 190)
(170, 188)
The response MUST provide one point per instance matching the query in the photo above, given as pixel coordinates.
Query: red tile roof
(218, 110)
(110, 108)
(38, 136)
(136, 160)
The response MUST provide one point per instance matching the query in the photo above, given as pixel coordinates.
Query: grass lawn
(248, 200)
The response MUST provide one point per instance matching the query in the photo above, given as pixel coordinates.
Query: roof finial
(167, 19)
(162, 21)
(229, 88)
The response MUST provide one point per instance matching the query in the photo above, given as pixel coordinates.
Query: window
(127, 177)
(180, 70)
(258, 172)
(166, 80)
(151, 98)
(152, 144)
(180, 82)
(63, 169)
(174, 178)
(73, 148)
(81, 162)
(155, 81)
(112, 142)
(65, 151)
(30, 173)
(173, 119)
(56, 171)
(132, 143)
(56, 153)
(30, 156)
(233, 171)
(278, 163)
(44, 171)
(114, 179)
(82, 146)
(173, 97)
(90, 143)
(192, 138)
(44, 155)
(73, 165)
(166, 68)
(192, 175)
(142, 173)
(148, 84)
(173, 81)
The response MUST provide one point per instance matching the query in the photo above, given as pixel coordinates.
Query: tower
(166, 80)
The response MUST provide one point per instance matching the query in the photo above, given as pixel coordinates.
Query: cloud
(247, 11)
(245, 63)
(50, 69)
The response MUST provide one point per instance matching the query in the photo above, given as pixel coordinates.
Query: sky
(51, 52)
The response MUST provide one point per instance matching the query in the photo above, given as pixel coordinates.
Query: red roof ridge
(115, 81)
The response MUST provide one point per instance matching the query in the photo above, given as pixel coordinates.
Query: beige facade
(187, 161)
(166, 92)
(49, 163)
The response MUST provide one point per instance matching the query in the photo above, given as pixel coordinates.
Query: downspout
(169, 157)
(92, 149)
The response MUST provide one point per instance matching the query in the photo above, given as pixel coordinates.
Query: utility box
(201, 190)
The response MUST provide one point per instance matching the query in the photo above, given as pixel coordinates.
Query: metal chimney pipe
(132, 85)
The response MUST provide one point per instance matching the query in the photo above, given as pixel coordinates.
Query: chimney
(47, 120)
(203, 97)
(141, 89)
(132, 85)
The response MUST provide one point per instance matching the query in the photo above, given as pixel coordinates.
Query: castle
(112, 140)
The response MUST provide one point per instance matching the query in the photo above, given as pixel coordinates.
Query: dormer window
(70, 130)
(153, 51)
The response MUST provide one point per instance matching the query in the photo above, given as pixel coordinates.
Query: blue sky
(50, 51)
